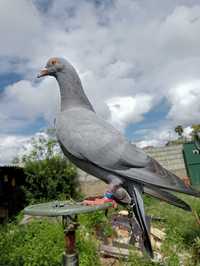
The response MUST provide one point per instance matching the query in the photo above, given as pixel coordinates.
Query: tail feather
(167, 197)
(136, 195)
(157, 176)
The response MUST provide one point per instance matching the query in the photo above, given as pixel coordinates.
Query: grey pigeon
(99, 149)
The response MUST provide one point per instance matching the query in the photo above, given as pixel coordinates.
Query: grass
(41, 242)
(182, 231)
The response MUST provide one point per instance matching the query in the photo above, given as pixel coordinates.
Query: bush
(38, 243)
(49, 175)
(41, 243)
(136, 260)
(87, 246)
(48, 179)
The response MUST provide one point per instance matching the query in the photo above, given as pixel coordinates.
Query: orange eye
(53, 61)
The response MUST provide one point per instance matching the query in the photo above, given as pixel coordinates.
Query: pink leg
(100, 201)
(108, 196)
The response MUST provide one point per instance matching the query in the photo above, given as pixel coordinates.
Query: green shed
(191, 156)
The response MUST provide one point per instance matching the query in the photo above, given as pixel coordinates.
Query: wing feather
(90, 138)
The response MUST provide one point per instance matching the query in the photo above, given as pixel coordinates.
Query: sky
(138, 61)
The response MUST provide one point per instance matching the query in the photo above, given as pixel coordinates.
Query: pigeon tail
(135, 192)
(167, 197)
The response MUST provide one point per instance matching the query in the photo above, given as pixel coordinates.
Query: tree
(196, 134)
(49, 175)
(179, 130)
(196, 128)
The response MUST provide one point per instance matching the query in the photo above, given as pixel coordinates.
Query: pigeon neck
(71, 91)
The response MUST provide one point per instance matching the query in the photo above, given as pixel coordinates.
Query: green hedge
(49, 179)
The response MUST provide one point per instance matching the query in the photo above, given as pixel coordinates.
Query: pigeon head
(54, 66)
(71, 90)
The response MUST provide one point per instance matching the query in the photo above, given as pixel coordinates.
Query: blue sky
(151, 121)
(138, 61)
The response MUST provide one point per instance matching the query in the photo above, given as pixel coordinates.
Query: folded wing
(92, 139)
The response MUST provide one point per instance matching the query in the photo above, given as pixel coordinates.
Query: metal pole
(70, 256)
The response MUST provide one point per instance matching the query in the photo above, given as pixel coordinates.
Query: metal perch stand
(69, 212)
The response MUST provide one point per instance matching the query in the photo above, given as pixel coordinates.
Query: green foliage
(52, 178)
(87, 246)
(196, 250)
(49, 174)
(90, 220)
(136, 260)
(179, 130)
(181, 229)
(195, 133)
(41, 243)
(97, 222)
(172, 260)
(196, 128)
(181, 245)
(38, 243)
(181, 140)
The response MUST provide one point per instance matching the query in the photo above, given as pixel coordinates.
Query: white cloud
(129, 54)
(125, 110)
(158, 136)
(10, 147)
(185, 102)
(15, 146)
(149, 143)
(20, 28)
(187, 132)
(177, 35)
(162, 135)
(24, 102)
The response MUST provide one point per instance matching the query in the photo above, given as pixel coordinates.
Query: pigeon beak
(43, 72)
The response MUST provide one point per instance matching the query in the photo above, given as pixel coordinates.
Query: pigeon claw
(100, 201)
(186, 181)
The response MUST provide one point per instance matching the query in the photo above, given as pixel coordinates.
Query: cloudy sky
(139, 62)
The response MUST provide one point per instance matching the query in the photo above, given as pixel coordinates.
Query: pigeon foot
(100, 201)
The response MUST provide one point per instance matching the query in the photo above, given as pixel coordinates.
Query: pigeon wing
(90, 138)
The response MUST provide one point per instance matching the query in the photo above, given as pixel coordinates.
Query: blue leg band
(108, 195)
